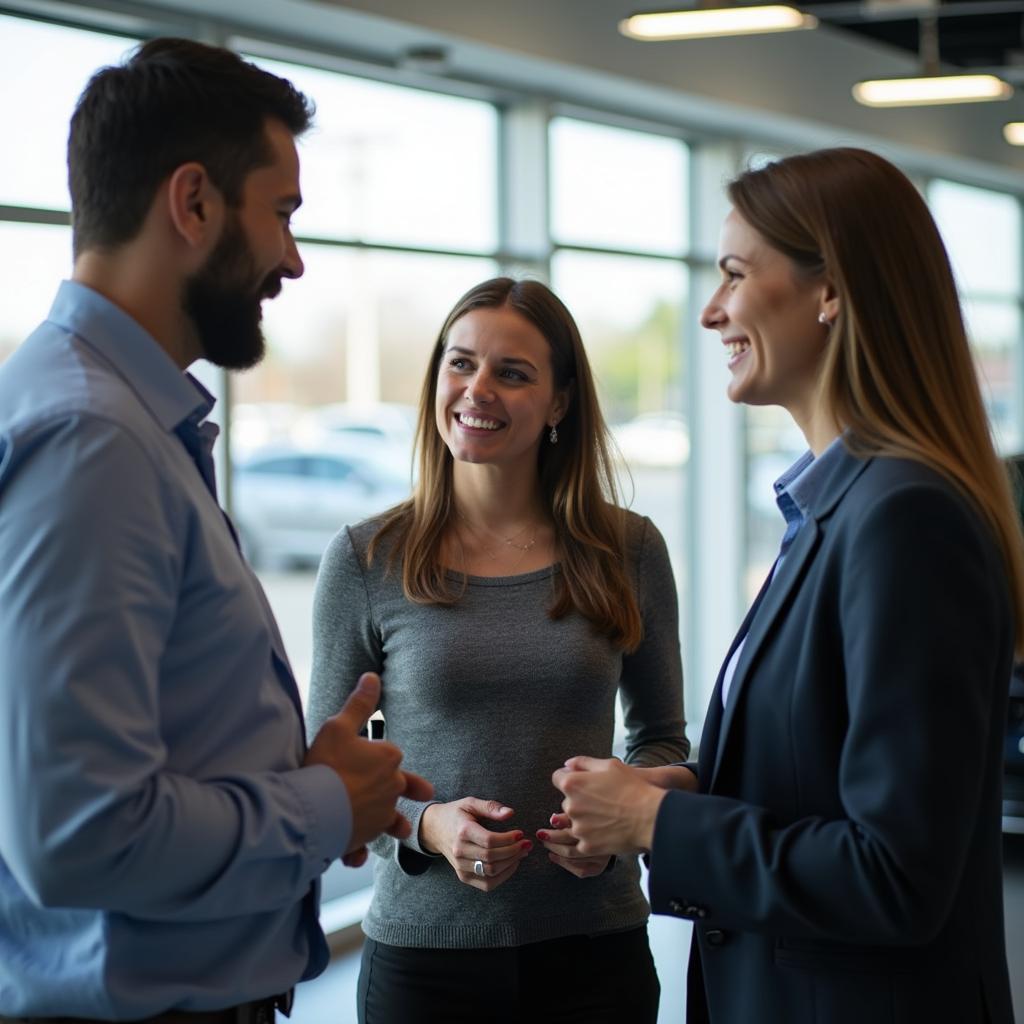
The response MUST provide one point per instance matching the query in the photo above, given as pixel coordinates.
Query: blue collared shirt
(160, 843)
(795, 492)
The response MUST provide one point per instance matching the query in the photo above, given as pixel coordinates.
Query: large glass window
(629, 311)
(987, 264)
(43, 69)
(618, 189)
(984, 261)
(34, 258)
(394, 165)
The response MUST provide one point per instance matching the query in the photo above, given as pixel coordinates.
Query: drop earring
(553, 436)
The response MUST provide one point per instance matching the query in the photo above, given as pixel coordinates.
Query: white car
(289, 501)
(375, 423)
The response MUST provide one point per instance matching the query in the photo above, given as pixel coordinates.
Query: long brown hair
(577, 481)
(897, 371)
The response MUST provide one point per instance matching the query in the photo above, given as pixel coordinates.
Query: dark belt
(259, 1012)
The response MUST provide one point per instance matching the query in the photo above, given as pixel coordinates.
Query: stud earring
(824, 320)
(553, 436)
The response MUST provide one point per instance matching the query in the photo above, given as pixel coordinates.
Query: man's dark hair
(174, 101)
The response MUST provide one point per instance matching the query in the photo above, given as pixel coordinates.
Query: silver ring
(478, 868)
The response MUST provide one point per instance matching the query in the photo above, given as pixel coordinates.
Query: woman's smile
(475, 423)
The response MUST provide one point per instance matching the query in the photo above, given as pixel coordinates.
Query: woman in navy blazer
(838, 844)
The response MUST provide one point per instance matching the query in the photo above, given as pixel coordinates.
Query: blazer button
(715, 937)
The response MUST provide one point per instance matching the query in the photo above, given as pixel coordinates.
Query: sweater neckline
(544, 572)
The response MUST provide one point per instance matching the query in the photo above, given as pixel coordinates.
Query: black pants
(604, 979)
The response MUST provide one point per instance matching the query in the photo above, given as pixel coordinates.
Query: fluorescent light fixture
(702, 23)
(932, 89)
(1014, 133)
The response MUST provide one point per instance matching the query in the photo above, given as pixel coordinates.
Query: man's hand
(369, 770)
(611, 806)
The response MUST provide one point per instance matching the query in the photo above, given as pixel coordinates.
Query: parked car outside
(290, 500)
(389, 423)
(383, 431)
(255, 425)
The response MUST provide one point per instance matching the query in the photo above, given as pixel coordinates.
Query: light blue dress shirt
(160, 843)
(794, 492)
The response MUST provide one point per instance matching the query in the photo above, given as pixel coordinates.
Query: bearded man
(163, 826)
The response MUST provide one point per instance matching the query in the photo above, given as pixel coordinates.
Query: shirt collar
(797, 488)
(170, 395)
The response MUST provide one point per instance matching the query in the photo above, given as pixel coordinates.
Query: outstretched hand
(369, 770)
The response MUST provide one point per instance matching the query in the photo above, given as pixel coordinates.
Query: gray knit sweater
(487, 698)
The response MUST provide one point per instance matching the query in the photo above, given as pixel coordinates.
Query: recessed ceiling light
(1014, 133)
(703, 23)
(930, 90)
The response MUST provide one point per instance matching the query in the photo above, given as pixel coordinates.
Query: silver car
(289, 501)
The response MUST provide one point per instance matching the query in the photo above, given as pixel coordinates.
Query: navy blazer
(842, 861)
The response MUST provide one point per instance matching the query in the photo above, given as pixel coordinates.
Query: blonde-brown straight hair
(898, 372)
(577, 481)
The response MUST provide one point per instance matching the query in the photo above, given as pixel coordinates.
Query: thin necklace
(509, 541)
(507, 570)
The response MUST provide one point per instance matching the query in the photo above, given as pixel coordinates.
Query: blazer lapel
(710, 734)
(775, 596)
(776, 592)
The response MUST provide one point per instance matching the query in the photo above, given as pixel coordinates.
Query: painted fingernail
(542, 835)
(526, 845)
(553, 819)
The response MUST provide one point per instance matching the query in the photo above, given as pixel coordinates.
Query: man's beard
(223, 301)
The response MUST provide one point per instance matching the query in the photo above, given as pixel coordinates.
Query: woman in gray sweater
(505, 605)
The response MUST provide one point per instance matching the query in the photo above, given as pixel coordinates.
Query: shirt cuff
(330, 813)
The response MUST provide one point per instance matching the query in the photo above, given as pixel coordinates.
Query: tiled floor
(330, 999)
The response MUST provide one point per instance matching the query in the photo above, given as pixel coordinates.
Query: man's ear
(195, 205)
